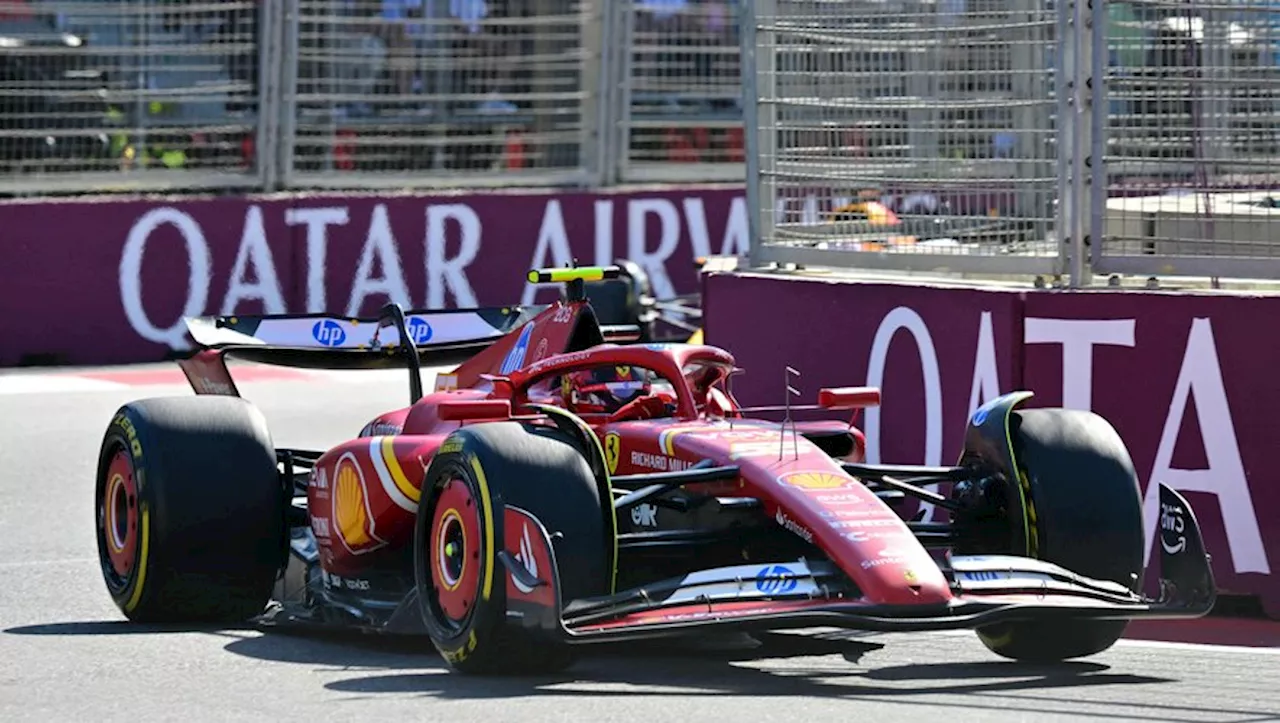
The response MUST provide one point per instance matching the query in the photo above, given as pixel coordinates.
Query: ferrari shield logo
(612, 451)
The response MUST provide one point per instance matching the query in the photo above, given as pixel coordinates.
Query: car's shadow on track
(831, 668)
(114, 627)
(840, 665)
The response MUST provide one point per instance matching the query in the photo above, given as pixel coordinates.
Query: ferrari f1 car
(564, 486)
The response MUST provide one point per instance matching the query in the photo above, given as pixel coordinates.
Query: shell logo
(815, 480)
(352, 517)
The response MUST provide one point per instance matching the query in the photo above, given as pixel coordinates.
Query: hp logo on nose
(776, 580)
(329, 333)
(419, 331)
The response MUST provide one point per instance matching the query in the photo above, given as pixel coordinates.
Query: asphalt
(67, 655)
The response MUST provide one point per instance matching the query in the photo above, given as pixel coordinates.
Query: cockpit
(618, 392)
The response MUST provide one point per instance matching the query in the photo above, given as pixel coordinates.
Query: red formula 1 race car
(559, 488)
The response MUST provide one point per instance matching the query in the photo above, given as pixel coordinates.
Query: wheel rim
(454, 550)
(118, 520)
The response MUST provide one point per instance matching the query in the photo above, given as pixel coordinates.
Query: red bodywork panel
(802, 488)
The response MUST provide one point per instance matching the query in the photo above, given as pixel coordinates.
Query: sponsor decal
(792, 526)
(867, 536)
(462, 652)
(204, 385)
(446, 382)
(868, 564)
(328, 332)
(563, 314)
(526, 558)
(839, 499)
(745, 435)
(351, 515)
(873, 522)
(658, 462)
(612, 450)
(979, 575)
(515, 357)
(320, 526)
(644, 515)
(776, 580)
(1172, 525)
(541, 352)
(910, 576)
(135, 447)
(572, 358)
(381, 429)
(850, 513)
(320, 478)
(816, 480)
(419, 329)
(738, 450)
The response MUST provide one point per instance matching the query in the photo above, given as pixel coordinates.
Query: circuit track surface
(66, 655)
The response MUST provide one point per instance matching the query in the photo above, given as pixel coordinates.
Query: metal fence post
(607, 89)
(1082, 124)
(594, 69)
(759, 213)
(266, 148)
(1065, 91)
(1100, 98)
(287, 95)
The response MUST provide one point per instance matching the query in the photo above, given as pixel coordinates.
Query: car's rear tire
(540, 470)
(190, 510)
(1085, 512)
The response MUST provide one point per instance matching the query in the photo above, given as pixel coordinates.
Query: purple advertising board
(108, 281)
(936, 353)
(1186, 380)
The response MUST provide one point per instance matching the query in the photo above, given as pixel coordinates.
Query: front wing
(798, 594)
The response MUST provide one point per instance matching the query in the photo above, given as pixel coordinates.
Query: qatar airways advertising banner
(1188, 380)
(109, 281)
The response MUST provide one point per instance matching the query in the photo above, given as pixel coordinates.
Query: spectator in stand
(403, 28)
(477, 53)
(486, 50)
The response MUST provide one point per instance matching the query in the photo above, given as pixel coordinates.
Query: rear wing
(325, 341)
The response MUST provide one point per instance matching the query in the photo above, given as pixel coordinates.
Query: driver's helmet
(603, 389)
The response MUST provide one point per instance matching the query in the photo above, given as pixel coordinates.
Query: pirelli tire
(190, 511)
(1084, 508)
(479, 471)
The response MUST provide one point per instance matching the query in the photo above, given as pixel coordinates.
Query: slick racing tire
(190, 510)
(1084, 507)
(462, 585)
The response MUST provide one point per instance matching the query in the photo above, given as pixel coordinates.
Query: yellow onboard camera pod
(580, 273)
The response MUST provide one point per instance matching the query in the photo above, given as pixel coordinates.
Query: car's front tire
(1084, 510)
(481, 470)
